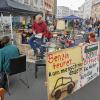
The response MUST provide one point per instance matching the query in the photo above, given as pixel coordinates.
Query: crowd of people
(90, 25)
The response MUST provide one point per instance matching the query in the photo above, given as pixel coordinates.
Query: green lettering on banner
(91, 49)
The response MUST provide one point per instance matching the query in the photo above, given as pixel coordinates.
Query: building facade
(81, 11)
(76, 13)
(49, 6)
(96, 9)
(20, 1)
(36, 4)
(65, 11)
(55, 8)
(87, 9)
(62, 11)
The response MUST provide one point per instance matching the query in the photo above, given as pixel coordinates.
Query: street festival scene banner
(70, 69)
(63, 72)
(90, 70)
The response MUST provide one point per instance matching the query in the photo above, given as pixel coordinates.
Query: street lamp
(44, 9)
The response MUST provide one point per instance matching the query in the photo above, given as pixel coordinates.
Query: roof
(15, 7)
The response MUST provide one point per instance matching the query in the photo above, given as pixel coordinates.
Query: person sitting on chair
(6, 53)
(40, 30)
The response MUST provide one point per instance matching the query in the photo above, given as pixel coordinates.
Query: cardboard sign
(63, 72)
(91, 63)
(60, 25)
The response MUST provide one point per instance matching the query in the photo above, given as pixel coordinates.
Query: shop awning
(11, 6)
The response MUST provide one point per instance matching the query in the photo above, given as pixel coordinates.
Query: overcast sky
(73, 4)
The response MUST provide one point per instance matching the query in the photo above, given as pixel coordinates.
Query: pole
(2, 24)
(43, 9)
(12, 37)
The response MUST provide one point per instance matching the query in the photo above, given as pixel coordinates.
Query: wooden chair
(2, 92)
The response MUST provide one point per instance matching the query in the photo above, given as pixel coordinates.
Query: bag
(3, 79)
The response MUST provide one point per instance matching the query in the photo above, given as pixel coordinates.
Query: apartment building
(87, 9)
(96, 9)
(62, 11)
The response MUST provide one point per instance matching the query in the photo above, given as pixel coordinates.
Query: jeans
(98, 32)
(37, 43)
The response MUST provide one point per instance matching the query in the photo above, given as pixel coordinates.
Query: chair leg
(28, 65)
(8, 86)
(36, 70)
(27, 82)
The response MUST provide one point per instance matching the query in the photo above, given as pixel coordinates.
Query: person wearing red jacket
(40, 31)
(39, 26)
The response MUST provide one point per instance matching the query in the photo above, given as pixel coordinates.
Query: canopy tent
(71, 17)
(13, 7)
(9, 9)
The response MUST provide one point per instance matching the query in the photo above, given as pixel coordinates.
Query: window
(31, 2)
(36, 2)
(26, 1)
(20, 1)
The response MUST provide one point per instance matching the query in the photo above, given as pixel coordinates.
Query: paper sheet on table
(39, 35)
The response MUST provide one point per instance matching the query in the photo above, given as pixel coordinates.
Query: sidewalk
(38, 91)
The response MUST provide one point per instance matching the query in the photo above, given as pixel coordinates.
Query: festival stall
(70, 69)
(15, 18)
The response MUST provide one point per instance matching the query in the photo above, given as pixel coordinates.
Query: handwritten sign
(63, 72)
(91, 63)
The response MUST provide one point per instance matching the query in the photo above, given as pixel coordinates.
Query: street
(38, 91)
